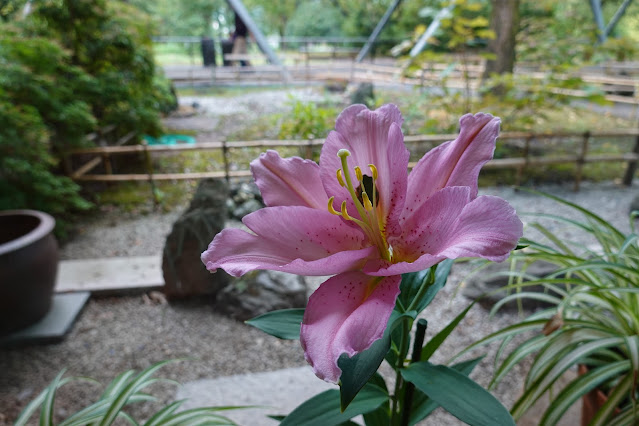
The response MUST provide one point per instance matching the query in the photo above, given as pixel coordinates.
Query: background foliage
(66, 69)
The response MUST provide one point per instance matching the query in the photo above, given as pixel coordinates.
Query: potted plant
(592, 322)
(28, 267)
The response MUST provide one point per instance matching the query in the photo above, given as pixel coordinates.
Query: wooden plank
(89, 165)
(162, 176)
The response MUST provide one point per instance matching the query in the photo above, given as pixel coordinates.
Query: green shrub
(66, 69)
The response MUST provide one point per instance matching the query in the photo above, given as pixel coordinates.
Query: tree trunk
(504, 21)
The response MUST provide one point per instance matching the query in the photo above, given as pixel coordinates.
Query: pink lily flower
(388, 223)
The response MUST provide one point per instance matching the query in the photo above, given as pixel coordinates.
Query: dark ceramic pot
(28, 267)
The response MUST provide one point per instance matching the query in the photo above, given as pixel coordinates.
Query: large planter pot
(28, 268)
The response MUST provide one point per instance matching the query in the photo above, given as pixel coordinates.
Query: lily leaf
(284, 324)
(457, 394)
(324, 409)
(357, 371)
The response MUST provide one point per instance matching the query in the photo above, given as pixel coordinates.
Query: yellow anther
(344, 212)
(358, 174)
(367, 202)
(340, 178)
(331, 209)
(343, 153)
(373, 171)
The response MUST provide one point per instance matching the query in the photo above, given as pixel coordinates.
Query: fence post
(107, 164)
(149, 171)
(521, 169)
(631, 168)
(581, 160)
(309, 149)
(225, 151)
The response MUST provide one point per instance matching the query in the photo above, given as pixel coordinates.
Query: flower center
(366, 200)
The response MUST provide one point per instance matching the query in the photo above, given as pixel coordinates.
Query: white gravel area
(119, 333)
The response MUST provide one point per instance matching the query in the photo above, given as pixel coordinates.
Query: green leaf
(283, 324)
(357, 371)
(46, 413)
(434, 343)
(121, 399)
(580, 387)
(381, 415)
(324, 409)
(412, 282)
(423, 406)
(457, 394)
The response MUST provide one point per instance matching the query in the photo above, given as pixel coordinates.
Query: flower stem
(430, 280)
(401, 356)
(422, 324)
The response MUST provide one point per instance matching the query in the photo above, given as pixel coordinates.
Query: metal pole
(595, 5)
(423, 40)
(617, 16)
(239, 8)
(378, 29)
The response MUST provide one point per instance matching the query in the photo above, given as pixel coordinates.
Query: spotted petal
(288, 181)
(454, 163)
(346, 314)
(450, 224)
(294, 239)
(372, 137)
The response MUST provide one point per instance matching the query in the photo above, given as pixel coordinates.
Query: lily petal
(342, 317)
(451, 225)
(372, 137)
(294, 239)
(454, 163)
(288, 181)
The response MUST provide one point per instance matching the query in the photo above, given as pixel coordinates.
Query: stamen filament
(331, 209)
(342, 154)
(367, 202)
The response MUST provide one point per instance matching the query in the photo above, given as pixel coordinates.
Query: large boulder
(364, 94)
(489, 284)
(184, 273)
(260, 292)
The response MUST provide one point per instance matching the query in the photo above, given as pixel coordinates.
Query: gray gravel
(115, 334)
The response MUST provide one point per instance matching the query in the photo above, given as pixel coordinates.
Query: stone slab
(276, 392)
(110, 275)
(55, 325)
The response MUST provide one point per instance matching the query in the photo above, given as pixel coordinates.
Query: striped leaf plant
(592, 320)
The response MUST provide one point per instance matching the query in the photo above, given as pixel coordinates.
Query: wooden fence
(581, 156)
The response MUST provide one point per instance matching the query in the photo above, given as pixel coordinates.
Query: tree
(504, 21)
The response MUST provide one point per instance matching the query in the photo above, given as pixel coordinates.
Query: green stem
(418, 343)
(401, 356)
(423, 289)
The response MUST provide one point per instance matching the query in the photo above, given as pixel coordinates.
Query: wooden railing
(306, 148)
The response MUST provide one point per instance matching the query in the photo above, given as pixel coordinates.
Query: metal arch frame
(605, 30)
(239, 8)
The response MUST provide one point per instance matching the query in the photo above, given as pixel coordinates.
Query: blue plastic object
(169, 139)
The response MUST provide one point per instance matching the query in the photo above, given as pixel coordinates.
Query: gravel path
(115, 334)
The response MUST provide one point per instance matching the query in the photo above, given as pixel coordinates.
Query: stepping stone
(110, 275)
(55, 325)
(276, 392)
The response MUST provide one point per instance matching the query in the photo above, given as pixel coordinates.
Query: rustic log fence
(520, 164)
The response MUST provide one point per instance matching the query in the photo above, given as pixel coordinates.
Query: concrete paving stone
(276, 392)
(55, 325)
(110, 274)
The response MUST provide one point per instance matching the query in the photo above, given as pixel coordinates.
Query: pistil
(369, 219)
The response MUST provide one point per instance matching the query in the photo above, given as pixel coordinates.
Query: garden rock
(364, 95)
(184, 273)
(245, 198)
(634, 205)
(261, 292)
(494, 277)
